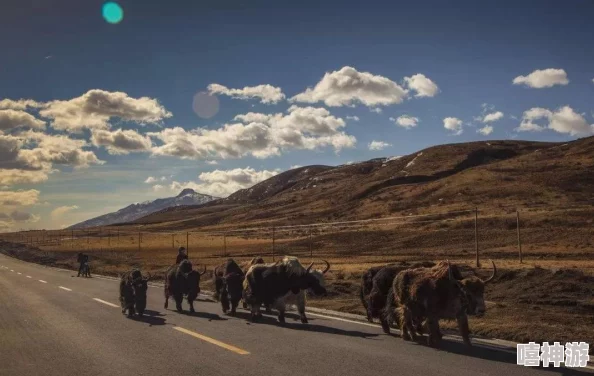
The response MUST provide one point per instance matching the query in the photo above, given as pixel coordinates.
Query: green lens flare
(113, 12)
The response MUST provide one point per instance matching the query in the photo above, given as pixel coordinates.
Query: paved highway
(52, 323)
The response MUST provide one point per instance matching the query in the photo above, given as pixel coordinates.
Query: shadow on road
(205, 315)
(153, 318)
(272, 320)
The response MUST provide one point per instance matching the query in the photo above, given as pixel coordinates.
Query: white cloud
(10, 119)
(19, 198)
(494, 116)
(259, 135)
(19, 216)
(486, 130)
(406, 121)
(295, 166)
(151, 180)
(20, 104)
(95, 108)
(378, 145)
(563, 120)
(212, 162)
(121, 141)
(60, 211)
(566, 120)
(222, 183)
(453, 124)
(55, 149)
(348, 86)
(377, 110)
(158, 187)
(353, 118)
(543, 78)
(422, 85)
(268, 94)
(9, 177)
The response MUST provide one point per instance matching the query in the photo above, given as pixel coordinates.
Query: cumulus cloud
(268, 94)
(19, 198)
(422, 85)
(212, 163)
(453, 124)
(492, 117)
(378, 145)
(486, 130)
(40, 151)
(20, 104)
(95, 108)
(377, 110)
(61, 211)
(19, 216)
(151, 180)
(10, 119)
(406, 121)
(563, 120)
(259, 135)
(222, 183)
(353, 118)
(121, 141)
(10, 177)
(55, 149)
(348, 86)
(158, 187)
(544, 78)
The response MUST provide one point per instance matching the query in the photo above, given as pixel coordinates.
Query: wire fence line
(469, 233)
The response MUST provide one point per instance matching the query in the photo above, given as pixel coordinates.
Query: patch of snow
(314, 185)
(393, 158)
(488, 144)
(411, 163)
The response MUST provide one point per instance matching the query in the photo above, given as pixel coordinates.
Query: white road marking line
(64, 288)
(11, 270)
(212, 340)
(19, 273)
(345, 320)
(106, 303)
(28, 276)
(42, 281)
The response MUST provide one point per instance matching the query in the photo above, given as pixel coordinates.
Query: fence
(465, 234)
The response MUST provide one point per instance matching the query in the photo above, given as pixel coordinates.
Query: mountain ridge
(137, 210)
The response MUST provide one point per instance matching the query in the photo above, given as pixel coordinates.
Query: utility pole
(519, 239)
(476, 237)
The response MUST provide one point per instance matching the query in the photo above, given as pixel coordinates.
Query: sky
(220, 95)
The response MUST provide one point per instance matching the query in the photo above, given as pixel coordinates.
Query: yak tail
(389, 311)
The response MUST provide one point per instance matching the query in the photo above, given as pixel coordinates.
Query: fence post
(109, 238)
(188, 244)
(224, 244)
(273, 236)
(173, 240)
(139, 240)
(476, 247)
(519, 239)
(310, 249)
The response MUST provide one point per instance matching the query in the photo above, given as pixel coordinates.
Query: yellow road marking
(212, 340)
(106, 303)
(64, 288)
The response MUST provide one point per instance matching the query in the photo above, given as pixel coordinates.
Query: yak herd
(412, 298)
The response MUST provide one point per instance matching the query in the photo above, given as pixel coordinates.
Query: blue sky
(162, 54)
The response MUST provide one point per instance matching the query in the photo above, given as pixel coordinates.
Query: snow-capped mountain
(129, 213)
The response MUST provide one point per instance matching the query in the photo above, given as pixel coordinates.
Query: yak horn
(204, 272)
(492, 275)
(451, 277)
(309, 267)
(327, 267)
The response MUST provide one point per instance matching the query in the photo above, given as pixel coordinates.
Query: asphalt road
(52, 323)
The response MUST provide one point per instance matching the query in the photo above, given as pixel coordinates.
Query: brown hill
(493, 175)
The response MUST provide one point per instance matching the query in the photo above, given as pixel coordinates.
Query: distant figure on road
(81, 260)
(83, 267)
(181, 255)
